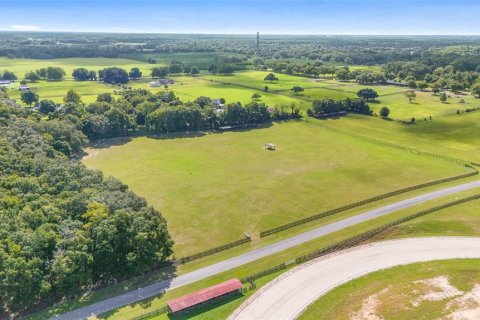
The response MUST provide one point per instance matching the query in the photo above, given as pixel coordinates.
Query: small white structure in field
(154, 84)
(24, 87)
(270, 146)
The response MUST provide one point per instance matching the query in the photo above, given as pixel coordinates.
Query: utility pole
(258, 42)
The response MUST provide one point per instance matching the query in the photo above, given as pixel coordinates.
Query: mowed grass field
(22, 66)
(213, 188)
(453, 135)
(400, 288)
(237, 87)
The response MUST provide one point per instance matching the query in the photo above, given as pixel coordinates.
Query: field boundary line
(335, 248)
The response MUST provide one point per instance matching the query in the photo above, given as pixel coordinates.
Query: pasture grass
(214, 187)
(453, 135)
(22, 66)
(345, 301)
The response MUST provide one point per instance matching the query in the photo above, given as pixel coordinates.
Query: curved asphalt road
(188, 278)
(290, 294)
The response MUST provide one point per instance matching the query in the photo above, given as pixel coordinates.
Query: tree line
(63, 227)
(143, 111)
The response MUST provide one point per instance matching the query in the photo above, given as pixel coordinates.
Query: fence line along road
(211, 270)
(287, 296)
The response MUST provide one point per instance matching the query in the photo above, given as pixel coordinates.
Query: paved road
(289, 295)
(159, 287)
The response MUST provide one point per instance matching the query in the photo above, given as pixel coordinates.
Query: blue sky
(381, 17)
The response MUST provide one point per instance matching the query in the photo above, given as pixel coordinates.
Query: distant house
(161, 82)
(154, 84)
(217, 103)
(5, 83)
(24, 87)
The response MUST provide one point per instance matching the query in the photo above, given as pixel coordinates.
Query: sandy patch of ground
(467, 307)
(437, 289)
(369, 307)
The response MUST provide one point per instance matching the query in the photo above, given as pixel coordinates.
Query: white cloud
(24, 27)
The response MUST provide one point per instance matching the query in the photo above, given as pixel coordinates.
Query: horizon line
(245, 34)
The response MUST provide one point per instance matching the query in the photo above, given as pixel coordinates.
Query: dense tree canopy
(82, 74)
(113, 75)
(62, 226)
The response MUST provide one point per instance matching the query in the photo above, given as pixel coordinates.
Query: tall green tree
(29, 97)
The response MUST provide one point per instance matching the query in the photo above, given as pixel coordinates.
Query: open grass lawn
(214, 187)
(189, 88)
(425, 105)
(22, 66)
(401, 289)
(461, 220)
(201, 60)
(452, 135)
(56, 90)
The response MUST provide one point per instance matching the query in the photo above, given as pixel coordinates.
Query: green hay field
(213, 188)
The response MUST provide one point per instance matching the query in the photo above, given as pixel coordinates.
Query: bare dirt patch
(466, 307)
(435, 289)
(369, 309)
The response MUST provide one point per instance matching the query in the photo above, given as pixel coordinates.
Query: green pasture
(453, 135)
(214, 187)
(56, 90)
(22, 66)
(425, 105)
(201, 60)
(343, 302)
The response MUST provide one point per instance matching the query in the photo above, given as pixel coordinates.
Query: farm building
(5, 83)
(24, 87)
(203, 296)
(218, 103)
(161, 82)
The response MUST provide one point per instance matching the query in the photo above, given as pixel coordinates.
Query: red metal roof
(204, 295)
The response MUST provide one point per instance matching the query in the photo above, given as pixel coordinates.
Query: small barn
(154, 84)
(5, 83)
(204, 296)
(24, 87)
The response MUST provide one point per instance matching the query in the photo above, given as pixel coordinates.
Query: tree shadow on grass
(176, 135)
(161, 278)
(109, 142)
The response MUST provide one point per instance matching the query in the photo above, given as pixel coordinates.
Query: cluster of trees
(51, 73)
(329, 106)
(64, 227)
(82, 74)
(8, 75)
(367, 94)
(141, 110)
(113, 75)
(224, 69)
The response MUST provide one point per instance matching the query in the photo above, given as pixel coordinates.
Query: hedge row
(355, 240)
(213, 250)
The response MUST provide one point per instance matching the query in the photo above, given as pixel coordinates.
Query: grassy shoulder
(403, 287)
